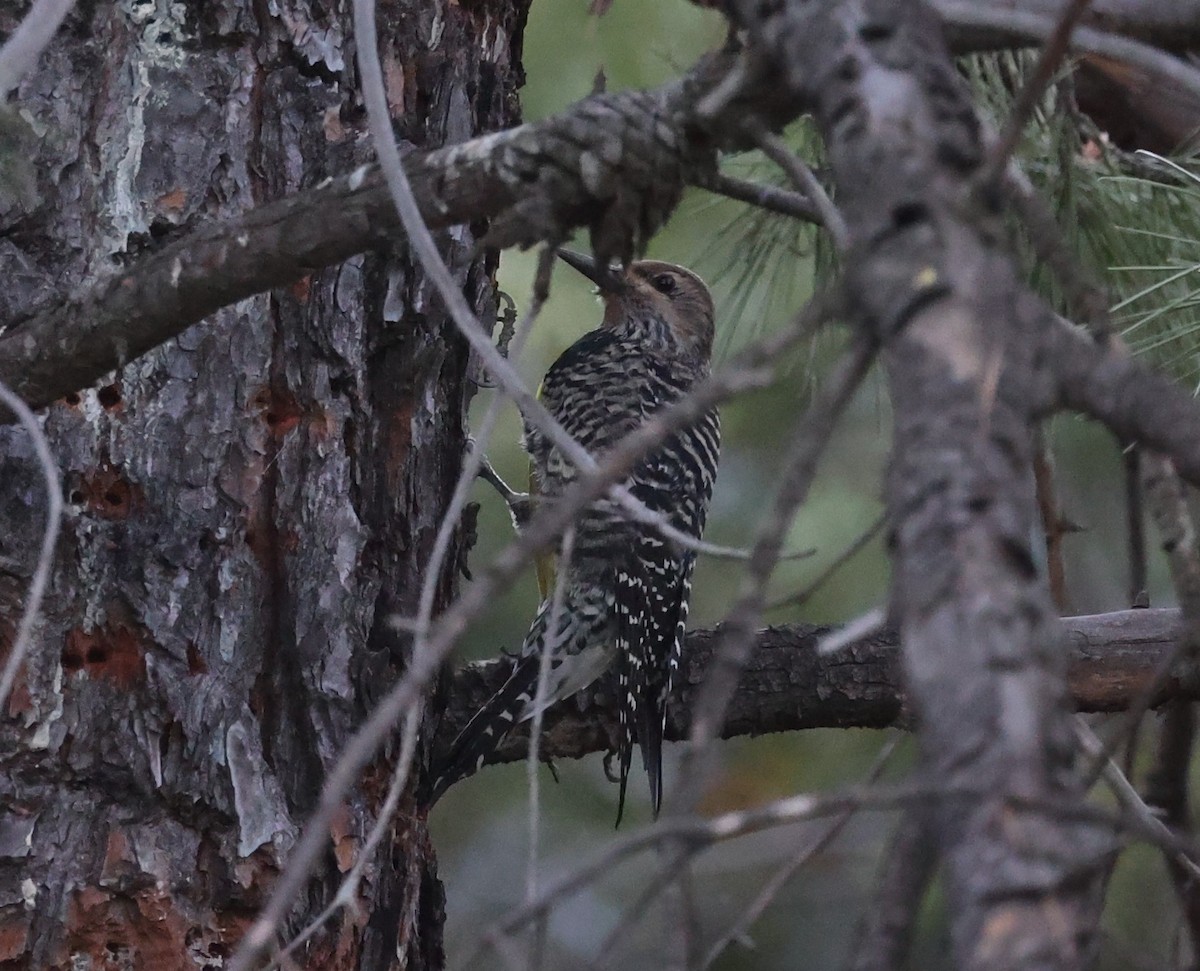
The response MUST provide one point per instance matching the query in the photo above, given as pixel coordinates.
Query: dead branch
(788, 685)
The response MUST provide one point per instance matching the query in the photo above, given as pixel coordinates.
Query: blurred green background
(760, 270)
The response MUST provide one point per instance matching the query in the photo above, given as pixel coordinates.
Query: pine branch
(789, 686)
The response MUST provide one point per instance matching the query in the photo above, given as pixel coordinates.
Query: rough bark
(248, 503)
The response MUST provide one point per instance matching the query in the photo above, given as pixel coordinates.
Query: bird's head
(658, 301)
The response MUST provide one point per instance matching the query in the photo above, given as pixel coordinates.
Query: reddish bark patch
(345, 842)
(20, 700)
(139, 930)
(14, 935)
(301, 289)
(279, 409)
(173, 201)
(119, 865)
(114, 652)
(108, 494)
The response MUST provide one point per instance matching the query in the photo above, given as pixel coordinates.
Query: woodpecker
(626, 590)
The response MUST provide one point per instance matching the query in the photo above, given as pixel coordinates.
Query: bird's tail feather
(650, 733)
(486, 729)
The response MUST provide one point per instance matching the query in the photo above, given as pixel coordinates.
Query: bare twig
(1168, 505)
(1145, 819)
(41, 575)
(1135, 531)
(776, 149)
(1052, 54)
(32, 36)
(1085, 295)
(677, 860)
(853, 631)
(740, 928)
(769, 197)
(1167, 792)
(549, 646)
(694, 830)
(1167, 784)
(1052, 518)
(802, 596)
(885, 929)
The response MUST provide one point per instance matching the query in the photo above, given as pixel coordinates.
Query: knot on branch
(616, 163)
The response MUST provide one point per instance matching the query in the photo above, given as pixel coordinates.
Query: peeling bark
(248, 502)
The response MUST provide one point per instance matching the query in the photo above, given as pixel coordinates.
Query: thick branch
(789, 686)
(613, 163)
(1170, 24)
(1102, 381)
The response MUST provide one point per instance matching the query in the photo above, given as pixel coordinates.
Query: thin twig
(1052, 54)
(550, 644)
(41, 575)
(1085, 296)
(32, 36)
(1166, 791)
(1167, 784)
(776, 149)
(1168, 505)
(1135, 531)
(802, 596)
(1053, 525)
(885, 929)
(1147, 820)
(769, 197)
(704, 832)
(857, 629)
(678, 859)
(740, 928)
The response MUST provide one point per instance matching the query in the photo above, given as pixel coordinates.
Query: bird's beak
(608, 280)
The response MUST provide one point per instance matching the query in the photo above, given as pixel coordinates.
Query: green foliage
(1133, 221)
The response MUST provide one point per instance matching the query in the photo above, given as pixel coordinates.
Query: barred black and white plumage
(627, 587)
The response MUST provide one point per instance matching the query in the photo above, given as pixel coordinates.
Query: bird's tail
(486, 730)
(651, 718)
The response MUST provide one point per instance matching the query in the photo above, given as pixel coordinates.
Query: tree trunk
(247, 505)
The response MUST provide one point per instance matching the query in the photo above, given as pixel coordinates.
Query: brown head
(658, 301)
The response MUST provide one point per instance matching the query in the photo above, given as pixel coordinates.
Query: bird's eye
(664, 283)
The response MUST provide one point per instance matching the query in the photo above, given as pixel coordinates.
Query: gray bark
(248, 502)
